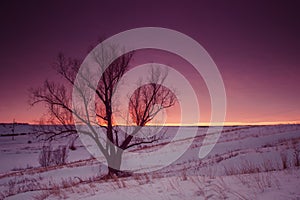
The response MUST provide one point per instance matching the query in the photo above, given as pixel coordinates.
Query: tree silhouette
(144, 104)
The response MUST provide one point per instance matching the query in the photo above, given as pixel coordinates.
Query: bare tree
(144, 104)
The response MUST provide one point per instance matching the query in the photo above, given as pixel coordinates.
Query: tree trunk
(114, 164)
(113, 172)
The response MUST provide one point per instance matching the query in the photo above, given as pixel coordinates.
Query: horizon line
(194, 124)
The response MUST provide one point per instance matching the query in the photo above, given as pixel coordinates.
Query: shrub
(296, 158)
(45, 156)
(49, 157)
(284, 160)
(245, 167)
(59, 155)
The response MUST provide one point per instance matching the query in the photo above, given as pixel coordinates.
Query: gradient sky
(255, 45)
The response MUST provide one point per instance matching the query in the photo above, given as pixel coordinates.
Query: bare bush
(246, 167)
(296, 157)
(284, 160)
(249, 167)
(267, 165)
(60, 155)
(49, 157)
(45, 156)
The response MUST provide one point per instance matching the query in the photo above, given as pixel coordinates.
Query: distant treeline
(10, 124)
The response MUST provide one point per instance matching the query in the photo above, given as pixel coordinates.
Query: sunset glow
(256, 54)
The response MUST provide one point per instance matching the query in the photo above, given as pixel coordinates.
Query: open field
(248, 162)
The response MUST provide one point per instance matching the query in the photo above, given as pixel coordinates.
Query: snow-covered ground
(248, 162)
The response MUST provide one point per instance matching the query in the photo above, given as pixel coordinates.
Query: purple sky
(255, 45)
